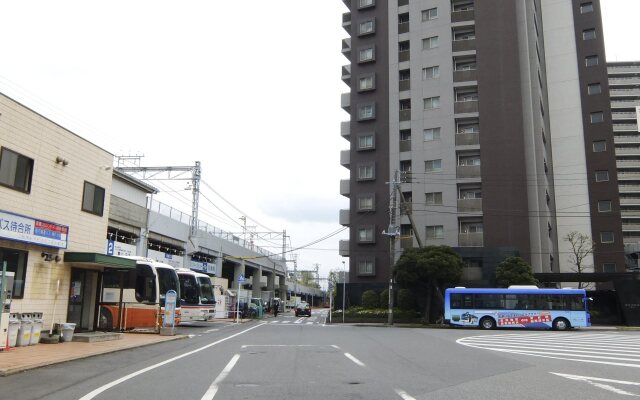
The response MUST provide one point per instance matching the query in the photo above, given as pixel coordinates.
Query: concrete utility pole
(393, 231)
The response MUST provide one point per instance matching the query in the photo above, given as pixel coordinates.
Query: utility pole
(393, 232)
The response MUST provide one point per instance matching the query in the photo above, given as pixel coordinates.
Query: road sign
(169, 317)
(241, 278)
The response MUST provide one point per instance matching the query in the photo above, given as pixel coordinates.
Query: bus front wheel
(487, 323)
(560, 324)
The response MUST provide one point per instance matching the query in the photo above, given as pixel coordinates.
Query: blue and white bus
(517, 307)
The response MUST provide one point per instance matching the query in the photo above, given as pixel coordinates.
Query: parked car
(303, 308)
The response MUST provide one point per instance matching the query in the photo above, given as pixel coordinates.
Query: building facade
(483, 111)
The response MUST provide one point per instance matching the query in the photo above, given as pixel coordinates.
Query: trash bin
(67, 329)
(36, 328)
(24, 333)
(12, 332)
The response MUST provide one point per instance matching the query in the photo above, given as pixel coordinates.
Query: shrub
(370, 299)
(406, 300)
(384, 299)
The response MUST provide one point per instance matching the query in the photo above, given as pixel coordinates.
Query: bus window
(575, 303)
(188, 289)
(461, 301)
(167, 280)
(206, 291)
(145, 284)
(556, 302)
(489, 301)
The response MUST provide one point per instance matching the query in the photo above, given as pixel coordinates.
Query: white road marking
(285, 322)
(244, 346)
(298, 321)
(310, 323)
(355, 360)
(404, 394)
(125, 378)
(596, 382)
(213, 389)
(211, 330)
(191, 336)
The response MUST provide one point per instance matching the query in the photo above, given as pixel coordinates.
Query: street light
(344, 288)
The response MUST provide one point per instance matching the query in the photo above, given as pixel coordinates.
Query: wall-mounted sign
(31, 230)
(120, 249)
(203, 266)
(171, 259)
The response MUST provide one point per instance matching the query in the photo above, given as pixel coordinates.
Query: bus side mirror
(590, 298)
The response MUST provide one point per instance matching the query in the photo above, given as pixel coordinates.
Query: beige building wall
(56, 196)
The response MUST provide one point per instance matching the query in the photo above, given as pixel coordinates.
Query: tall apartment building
(496, 115)
(624, 84)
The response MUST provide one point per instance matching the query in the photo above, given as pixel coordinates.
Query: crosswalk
(605, 348)
(298, 321)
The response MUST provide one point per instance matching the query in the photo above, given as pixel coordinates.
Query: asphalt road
(302, 358)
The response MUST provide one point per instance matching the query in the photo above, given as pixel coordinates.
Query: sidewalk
(20, 359)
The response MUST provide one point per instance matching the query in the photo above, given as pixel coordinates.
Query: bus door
(462, 309)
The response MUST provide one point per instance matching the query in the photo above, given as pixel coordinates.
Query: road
(303, 358)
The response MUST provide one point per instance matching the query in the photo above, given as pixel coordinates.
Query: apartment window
(470, 193)
(15, 170)
(366, 3)
(468, 126)
(433, 198)
(433, 165)
(403, 18)
(464, 34)
(366, 55)
(405, 166)
(430, 43)
(366, 83)
(431, 72)
(366, 111)
(594, 88)
(588, 34)
(430, 14)
(609, 267)
(93, 199)
(366, 172)
(366, 202)
(471, 227)
(466, 64)
(405, 135)
(366, 267)
(606, 237)
(599, 146)
(604, 206)
(586, 8)
(366, 142)
(366, 27)
(432, 102)
(602, 176)
(404, 46)
(469, 160)
(591, 61)
(365, 234)
(16, 263)
(405, 104)
(435, 232)
(467, 95)
(431, 134)
(597, 117)
(404, 75)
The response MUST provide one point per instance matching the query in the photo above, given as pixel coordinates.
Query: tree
(370, 299)
(514, 271)
(427, 270)
(581, 248)
(406, 299)
(384, 299)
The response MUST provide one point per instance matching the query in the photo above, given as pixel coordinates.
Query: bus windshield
(206, 290)
(167, 280)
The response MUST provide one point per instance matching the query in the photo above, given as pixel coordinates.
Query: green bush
(406, 300)
(370, 299)
(378, 313)
(384, 299)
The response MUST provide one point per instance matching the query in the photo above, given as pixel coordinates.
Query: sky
(250, 88)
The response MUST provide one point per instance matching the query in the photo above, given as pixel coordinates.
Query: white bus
(198, 302)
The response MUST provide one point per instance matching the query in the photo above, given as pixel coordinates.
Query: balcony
(629, 213)
(405, 145)
(345, 102)
(463, 45)
(628, 151)
(462, 16)
(629, 201)
(405, 85)
(346, 48)
(465, 107)
(627, 139)
(631, 80)
(467, 139)
(625, 103)
(465, 75)
(345, 187)
(403, 27)
(403, 3)
(624, 92)
(470, 205)
(628, 163)
(470, 239)
(467, 171)
(630, 227)
(625, 128)
(629, 188)
(343, 248)
(405, 115)
(345, 129)
(624, 116)
(628, 176)
(346, 74)
(404, 55)
(346, 22)
(345, 158)
(623, 69)
(406, 242)
(344, 217)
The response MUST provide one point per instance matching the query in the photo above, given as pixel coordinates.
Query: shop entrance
(82, 296)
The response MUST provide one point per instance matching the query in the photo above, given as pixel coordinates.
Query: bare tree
(581, 247)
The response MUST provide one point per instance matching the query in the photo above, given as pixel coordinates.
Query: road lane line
(404, 394)
(603, 386)
(125, 378)
(298, 321)
(211, 330)
(213, 389)
(355, 360)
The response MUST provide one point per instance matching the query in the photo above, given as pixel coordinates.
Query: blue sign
(241, 278)
(169, 315)
(110, 247)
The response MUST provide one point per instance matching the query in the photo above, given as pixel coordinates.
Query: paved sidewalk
(20, 359)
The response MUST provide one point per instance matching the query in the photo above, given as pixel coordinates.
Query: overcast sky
(250, 88)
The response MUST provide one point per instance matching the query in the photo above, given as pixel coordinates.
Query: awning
(99, 260)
